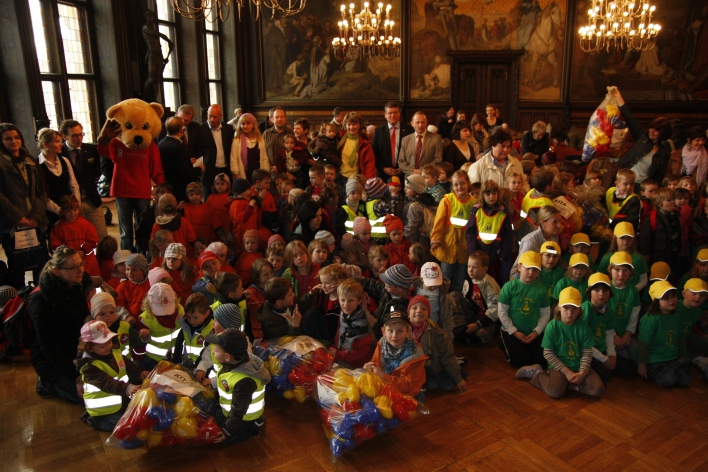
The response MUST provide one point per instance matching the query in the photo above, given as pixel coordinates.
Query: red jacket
(398, 254)
(183, 235)
(182, 289)
(133, 170)
(254, 302)
(79, 235)
(360, 353)
(220, 203)
(131, 295)
(203, 219)
(367, 161)
(243, 265)
(243, 216)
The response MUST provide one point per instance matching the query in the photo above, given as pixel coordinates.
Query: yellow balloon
(155, 438)
(288, 394)
(184, 407)
(143, 434)
(145, 398)
(185, 428)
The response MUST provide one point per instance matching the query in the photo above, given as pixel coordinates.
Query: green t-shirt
(599, 324)
(688, 317)
(566, 258)
(565, 282)
(568, 342)
(524, 303)
(640, 266)
(549, 278)
(662, 333)
(620, 306)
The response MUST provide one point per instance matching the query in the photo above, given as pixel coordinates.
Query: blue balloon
(371, 413)
(164, 417)
(380, 426)
(337, 447)
(166, 397)
(131, 444)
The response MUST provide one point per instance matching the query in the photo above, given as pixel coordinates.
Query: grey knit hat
(353, 185)
(398, 276)
(326, 235)
(228, 315)
(139, 261)
(416, 182)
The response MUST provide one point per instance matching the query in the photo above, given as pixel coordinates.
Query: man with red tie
(387, 142)
(420, 148)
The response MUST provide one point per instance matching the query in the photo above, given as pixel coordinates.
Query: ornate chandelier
(364, 35)
(211, 10)
(622, 24)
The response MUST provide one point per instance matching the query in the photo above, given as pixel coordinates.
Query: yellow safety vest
(98, 402)
(378, 230)
(124, 339)
(614, 208)
(162, 340)
(349, 224)
(459, 212)
(193, 346)
(529, 203)
(488, 227)
(242, 306)
(227, 382)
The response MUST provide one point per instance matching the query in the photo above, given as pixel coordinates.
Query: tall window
(213, 56)
(65, 65)
(168, 27)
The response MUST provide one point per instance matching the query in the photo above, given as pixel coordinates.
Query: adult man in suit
(176, 164)
(387, 142)
(420, 148)
(86, 163)
(191, 131)
(273, 136)
(217, 138)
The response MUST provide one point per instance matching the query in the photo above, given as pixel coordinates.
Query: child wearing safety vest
(158, 324)
(229, 289)
(622, 203)
(226, 316)
(103, 308)
(353, 206)
(241, 384)
(539, 196)
(108, 379)
(196, 324)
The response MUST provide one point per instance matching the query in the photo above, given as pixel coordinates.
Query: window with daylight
(213, 57)
(167, 26)
(65, 64)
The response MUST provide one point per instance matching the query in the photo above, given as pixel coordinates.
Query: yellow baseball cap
(570, 296)
(624, 229)
(696, 285)
(702, 255)
(659, 289)
(580, 238)
(579, 259)
(598, 278)
(659, 271)
(530, 260)
(550, 247)
(621, 258)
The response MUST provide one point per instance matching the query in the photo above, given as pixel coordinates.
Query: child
(430, 174)
(623, 204)
(660, 236)
(524, 311)
(105, 375)
(441, 369)
(118, 273)
(103, 308)
(183, 274)
(575, 276)
(243, 211)
(567, 346)
(157, 246)
(322, 302)
(514, 183)
(648, 189)
(398, 358)
(448, 235)
(419, 218)
(300, 270)
(579, 243)
(249, 256)
(274, 255)
(661, 346)
(158, 275)
(158, 325)
(689, 312)
(219, 201)
(352, 208)
(319, 252)
(317, 181)
(170, 219)
(105, 251)
(624, 304)
(200, 245)
(290, 159)
(329, 239)
(267, 217)
(446, 170)
(392, 291)
(226, 316)
(76, 232)
(197, 323)
(211, 268)
(479, 302)
(279, 315)
(682, 198)
(221, 251)
(277, 242)
(623, 240)
(241, 382)
(356, 253)
(489, 230)
(261, 273)
(475, 189)
(601, 323)
(697, 201)
(435, 288)
(324, 148)
(415, 187)
(132, 291)
(229, 289)
(698, 270)
(536, 198)
(397, 247)
(551, 272)
(378, 261)
(332, 180)
(354, 343)
(671, 181)
(202, 218)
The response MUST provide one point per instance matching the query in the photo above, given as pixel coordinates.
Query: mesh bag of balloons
(294, 364)
(170, 409)
(607, 130)
(356, 406)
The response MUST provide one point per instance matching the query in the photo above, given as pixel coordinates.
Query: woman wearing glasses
(58, 310)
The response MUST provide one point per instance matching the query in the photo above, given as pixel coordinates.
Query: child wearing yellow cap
(695, 292)
(551, 271)
(524, 310)
(567, 346)
(699, 270)
(661, 346)
(624, 304)
(602, 327)
(579, 243)
(624, 240)
(575, 276)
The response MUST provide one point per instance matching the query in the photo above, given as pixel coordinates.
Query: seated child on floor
(197, 323)
(479, 301)
(225, 316)
(103, 308)
(354, 342)
(132, 291)
(158, 325)
(261, 273)
(279, 315)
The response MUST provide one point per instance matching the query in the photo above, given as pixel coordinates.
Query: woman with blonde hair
(248, 151)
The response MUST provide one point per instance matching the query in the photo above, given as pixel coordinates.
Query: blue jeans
(63, 388)
(129, 210)
(670, 373)
(104, 422)
(456, 273)
(245, 429)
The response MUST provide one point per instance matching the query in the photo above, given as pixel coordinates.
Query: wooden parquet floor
(499, 424)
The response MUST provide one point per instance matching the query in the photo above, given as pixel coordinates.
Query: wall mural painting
(676, 69)
(532, 25)
(299, 64)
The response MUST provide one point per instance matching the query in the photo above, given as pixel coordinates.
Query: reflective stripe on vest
(488, 227)
(226, 383)
(161, 339)
(194, 346)
(377, 227)
(459, 212)
(614, 208)
(98, 402)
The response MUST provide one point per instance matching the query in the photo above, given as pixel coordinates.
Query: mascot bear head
(139, 122)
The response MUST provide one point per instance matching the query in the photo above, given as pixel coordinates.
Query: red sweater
(203, 220)
(254, 302)
(131, 295)
(243, 265)
(184, 235)
(183, 289)
(219, 203)
(243, 216)
(398, 254)
(79, 236)
(106, 269)
(133, 169)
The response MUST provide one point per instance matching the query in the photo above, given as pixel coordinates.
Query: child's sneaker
(528, 371)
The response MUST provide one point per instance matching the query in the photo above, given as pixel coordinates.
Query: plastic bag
(356, 406)
(607, 130)
(595, 218)
(171, 409)
(294, 364)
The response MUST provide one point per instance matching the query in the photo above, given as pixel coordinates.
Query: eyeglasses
(75, 136)
(79, 266)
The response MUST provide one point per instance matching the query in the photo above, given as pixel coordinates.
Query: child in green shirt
(689, 312)
(623, 240)
(579, 243)
(551, 271)
(575, 276)
(624, 304)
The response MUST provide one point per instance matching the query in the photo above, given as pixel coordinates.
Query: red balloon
(168, 441)
(125, 431)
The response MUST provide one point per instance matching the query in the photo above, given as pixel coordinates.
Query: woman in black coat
(58, 310)
(308, 223)
(459, 152)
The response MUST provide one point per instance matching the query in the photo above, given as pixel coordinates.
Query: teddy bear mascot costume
(128, 139)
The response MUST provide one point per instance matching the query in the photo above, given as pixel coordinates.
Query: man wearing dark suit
(86, 163)
(192, 132)
(420, 148)
(387, 142)
(217, 138)
(176, 164)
